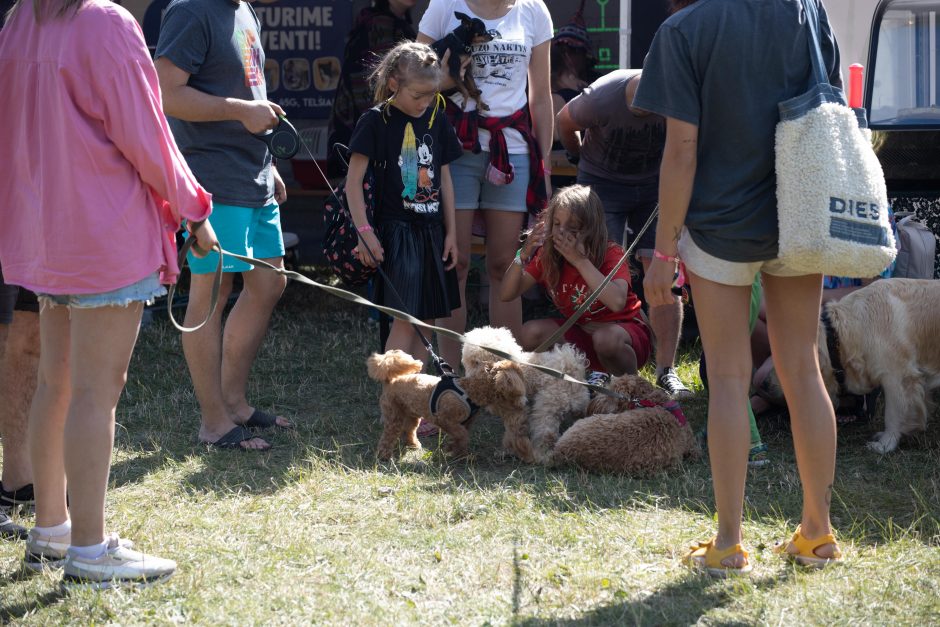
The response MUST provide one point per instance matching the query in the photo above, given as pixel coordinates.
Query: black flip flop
(262, 420)
(233, 440)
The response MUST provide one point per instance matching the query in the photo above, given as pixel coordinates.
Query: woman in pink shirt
(92, 190)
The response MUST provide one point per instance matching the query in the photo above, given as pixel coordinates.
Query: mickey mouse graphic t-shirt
(410, 153)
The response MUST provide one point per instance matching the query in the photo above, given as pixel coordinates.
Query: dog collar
(449, 384)
(673, 407)
(832, 345)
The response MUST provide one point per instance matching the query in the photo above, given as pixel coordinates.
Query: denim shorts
(473, 191)
(143, 291)
(246, 231)
(739, 273)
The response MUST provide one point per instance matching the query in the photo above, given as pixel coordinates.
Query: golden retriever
(888, 335)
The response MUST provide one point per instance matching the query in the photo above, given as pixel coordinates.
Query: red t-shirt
(572, 291)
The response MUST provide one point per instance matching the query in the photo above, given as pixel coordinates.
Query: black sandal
(262, 420)
(233, 440)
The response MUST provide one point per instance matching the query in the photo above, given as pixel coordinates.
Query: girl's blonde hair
(587, 216)
(43, 9)
(406, 62)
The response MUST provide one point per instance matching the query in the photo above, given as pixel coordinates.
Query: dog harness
(832, 345)
(449, 385)
(673, 407)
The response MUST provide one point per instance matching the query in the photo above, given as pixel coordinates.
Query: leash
(355, 298)
(560, 331)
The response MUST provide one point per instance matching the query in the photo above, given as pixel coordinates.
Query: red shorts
(639, 337)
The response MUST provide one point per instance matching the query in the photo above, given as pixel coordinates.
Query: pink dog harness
(672, 407)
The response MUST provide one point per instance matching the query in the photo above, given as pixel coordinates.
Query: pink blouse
(92, 185)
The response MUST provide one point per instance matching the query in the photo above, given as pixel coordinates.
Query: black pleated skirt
(413, 265)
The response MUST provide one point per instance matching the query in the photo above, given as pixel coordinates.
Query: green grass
(317, 532)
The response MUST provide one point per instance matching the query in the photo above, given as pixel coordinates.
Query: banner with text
(303, 44)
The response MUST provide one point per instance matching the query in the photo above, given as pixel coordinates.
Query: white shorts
(725, 272)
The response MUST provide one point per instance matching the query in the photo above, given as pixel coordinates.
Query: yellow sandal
(704, 557)
(806, 550)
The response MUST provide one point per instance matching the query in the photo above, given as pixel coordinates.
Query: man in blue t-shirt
(211, 68)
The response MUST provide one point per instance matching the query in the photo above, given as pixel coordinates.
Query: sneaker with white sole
(671, 382)
(597, 377)
(118, 565)
(44, 551)
(48, 552)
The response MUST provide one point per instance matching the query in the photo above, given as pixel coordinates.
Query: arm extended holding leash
(186, 103)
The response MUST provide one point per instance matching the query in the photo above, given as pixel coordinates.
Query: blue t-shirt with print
(723, 65)
(219, 44)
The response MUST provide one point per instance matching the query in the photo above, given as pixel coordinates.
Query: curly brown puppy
(625, 437)
(500, 388)
(405, 400)
(549, 401)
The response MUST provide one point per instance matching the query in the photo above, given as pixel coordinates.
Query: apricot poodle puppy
(623, 436)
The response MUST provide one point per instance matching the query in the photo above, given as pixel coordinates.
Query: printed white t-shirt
(500, 67)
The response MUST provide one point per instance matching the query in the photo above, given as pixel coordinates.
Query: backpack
(340, 237)
(917, 248)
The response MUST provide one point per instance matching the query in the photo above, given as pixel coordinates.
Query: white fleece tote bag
(832, 203)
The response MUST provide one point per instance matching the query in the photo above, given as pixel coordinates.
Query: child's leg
(614, 348)
(102, 341)
(403, 337)
(534, 332)
(450, 349)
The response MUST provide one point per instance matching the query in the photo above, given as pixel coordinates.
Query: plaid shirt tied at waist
(500, 170)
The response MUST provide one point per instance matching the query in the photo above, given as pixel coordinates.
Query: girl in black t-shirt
(407, 142)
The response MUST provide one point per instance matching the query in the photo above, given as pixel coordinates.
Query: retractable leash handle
(283, 140)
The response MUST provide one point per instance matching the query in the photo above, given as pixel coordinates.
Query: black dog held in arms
(471, 31)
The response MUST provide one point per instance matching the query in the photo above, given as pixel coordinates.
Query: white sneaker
(44, 551)
(118, 565)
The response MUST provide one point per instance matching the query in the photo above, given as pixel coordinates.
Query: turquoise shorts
(244, 231)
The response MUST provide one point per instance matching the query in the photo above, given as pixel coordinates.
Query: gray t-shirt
(218, 43)
(723, 65)
(618, 146)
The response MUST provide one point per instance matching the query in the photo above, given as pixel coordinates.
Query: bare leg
(614, 349)
(792, 319)
(47, 418)
(534, 332)
(722, 312)
(244, 331)
(203, 351)
(403, 337)
(18, 373)
(450, 349)
(102, 341)
(666, 321)
(502, 240)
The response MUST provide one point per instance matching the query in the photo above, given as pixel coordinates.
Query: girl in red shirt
(568, 253)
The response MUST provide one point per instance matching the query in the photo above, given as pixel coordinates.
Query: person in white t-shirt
(501, 172)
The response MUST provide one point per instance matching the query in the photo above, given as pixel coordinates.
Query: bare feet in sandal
(817, 552)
